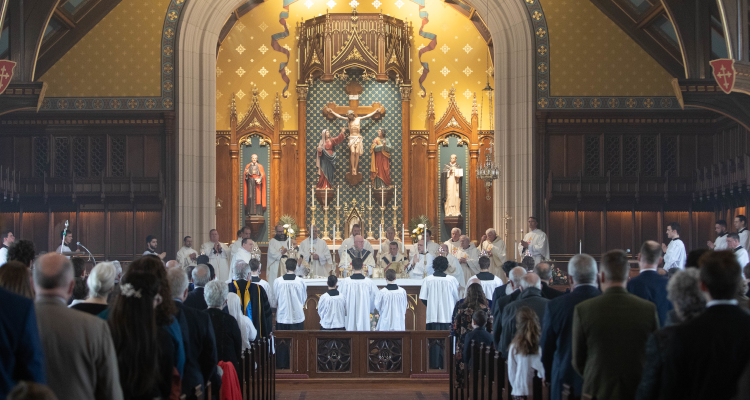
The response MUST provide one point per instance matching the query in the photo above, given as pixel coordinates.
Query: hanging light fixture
(489, 171)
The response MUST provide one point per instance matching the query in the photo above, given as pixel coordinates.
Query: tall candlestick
(312, 195)
(338, 196)
(403, 232)
(382, 196)
(370, 189)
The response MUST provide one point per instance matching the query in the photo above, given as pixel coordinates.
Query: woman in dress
(462, 314)
(326, 158)
(380, 164)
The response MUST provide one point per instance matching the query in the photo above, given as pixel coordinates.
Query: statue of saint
(452, 175)
(326, 158)
(380, 161)
(255, 187)
(355, 139)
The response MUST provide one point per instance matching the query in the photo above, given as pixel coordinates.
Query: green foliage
(289, 220)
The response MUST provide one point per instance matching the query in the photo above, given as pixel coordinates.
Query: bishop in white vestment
(332, 307)
(277, 254)
(291, 295)
(359, 292)
(391, 303)
(357, 252)
(348, 243)
(535, 241)
(218, 256)
(316, 255)
(488, 281)
(421, 263)
(186, 256)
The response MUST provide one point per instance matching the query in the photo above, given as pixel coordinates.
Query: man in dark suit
(544, 270)
(198, 335)
(649, 285)
(23, 359)
(478, 335)
(707, 355)
(500, 291)
(195, 299)
(515, 277)
(610, 333)
(557, 326)
(531, 296)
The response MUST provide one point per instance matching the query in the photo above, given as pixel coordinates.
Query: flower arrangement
(418, 226)
(289, 224)
(559, 277)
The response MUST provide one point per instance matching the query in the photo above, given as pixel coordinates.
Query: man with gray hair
(494, 247)
(226, 328)
(544, 270)
(80, 355)
(557, 326)
(201, 277)
(498, 306)
(531, 297)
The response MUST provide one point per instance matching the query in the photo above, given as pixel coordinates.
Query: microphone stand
(91, 256)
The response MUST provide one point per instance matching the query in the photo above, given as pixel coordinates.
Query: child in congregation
(478, 335)
(525, 354)
(391, 302)
(332, 307)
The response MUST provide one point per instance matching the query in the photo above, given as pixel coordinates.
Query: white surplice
(291, 296)
(360, 300)
(235, 247)
(240, 255)
(332, 310)
(62, 249)
(441, 293)
(419, 270)
(471, 266)
(498, 256)
(391, 304)
(348, 243)
(489, 283)
(267, 287)
(276, 261)
(321, 267)
(742, 258)
(675, 256)
(220, 261)
(744, 238)
(538, 245)
(183, 257)
(720, 243)
(455, 270)
(432, 248)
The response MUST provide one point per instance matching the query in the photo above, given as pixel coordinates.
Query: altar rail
(362, 355)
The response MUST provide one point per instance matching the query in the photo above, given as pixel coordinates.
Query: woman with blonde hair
(525, 353)
(100, 283)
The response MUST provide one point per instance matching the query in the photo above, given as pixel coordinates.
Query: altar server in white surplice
(440, 294)
(535, 241)
(359, 292)
(277, 254)
(332, 307)
(243, 254)
(319, 258)
(674, 254)
(721, 236)
(218, 256)
(186, 256)
(391, 303)
(454, 243)
(488, 281)
(385, 243)
(454, 268)
(255, 278)
(348, 243)
(468, 257)
(740, 224)
(495, 249)
(432, 247)
(418, 269)
(291, 295)
(243, 233)
(359, 251)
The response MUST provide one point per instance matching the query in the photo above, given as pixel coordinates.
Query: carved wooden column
(301, 169)
(234, 155)
(470, 174)
(431, 174)
(405, 188)
(381, 76)
(276, 164)
(327, 53)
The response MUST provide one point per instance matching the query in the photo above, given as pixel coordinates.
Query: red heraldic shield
(724, 73)
(6, 73)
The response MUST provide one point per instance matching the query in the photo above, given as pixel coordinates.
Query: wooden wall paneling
(704, 223)
(687, 153)
(484, 208)
(23, 158)
(9, 221)
(36, 228)
(91, 226)
(6, 152)
(418, 177)
(120, 233)
(562, 233)
(574, 155)
(224, 192)
(153, 151)
(590, 228)
(603, 238)
(289, 194)
(556, 155)
(134, 156)
(705, 148)
(301, 187)
(649, 226)
(620, 231)
(107, 235)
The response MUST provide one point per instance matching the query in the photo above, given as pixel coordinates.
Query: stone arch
(511, 29)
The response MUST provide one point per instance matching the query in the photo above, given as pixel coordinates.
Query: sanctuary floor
(361, 391)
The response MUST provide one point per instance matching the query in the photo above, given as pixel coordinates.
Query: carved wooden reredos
(331, 43)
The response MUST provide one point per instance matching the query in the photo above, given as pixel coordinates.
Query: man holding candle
(360, 252)
(314, 252)
(535, 241)
(494, 247)
(349, 242)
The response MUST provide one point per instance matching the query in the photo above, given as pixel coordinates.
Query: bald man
(80, 355)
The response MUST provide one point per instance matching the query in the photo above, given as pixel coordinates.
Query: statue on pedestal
(255, 187)
(452, 175)
(380, 161)
(326, 158)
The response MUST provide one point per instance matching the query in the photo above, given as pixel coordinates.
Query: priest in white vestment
(316, 255)
(187, 256)
(359, 292)
(255, 278)
(440, 294)
(488, 280)
(348, 243)
(243, 254)
(332, 307)
(494, 246)
(390, 236)
(391, 303)
(218, 256)
(421, 264)
(468, 257)
(535, 241)
(454, 243)
(454, 268)
(291, 295)
(432, 247)
(277, 254)
(243, 233)
(359, 251)
(391, 260)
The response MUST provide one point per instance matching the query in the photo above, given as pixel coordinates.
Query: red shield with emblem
(724, 73)
(6, 73)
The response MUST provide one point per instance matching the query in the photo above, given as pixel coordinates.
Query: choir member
(332, 307)
(418, 268)
(319, 258)
(535, 241)
(721, 236)
(391, 303)
(674, 254)
(255, 278)
(359, 293)
(488, 281)
(291, 295)
(218, 255)
(740, 223)
(439, 293)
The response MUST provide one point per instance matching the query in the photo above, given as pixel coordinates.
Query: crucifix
(354, 114)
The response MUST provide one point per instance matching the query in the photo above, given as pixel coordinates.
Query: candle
(326, 201)
(515, 250)
(312, 195)
(381, 237)
(395, 196)
(382, 195)
(580, 246)
(334, 243)
(370, 189)
(338, 196)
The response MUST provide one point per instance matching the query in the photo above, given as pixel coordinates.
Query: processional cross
(354, 114)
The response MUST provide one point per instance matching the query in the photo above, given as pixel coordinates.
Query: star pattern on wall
(240, 49)
(309, 4)
(331, 4)
(468, 48)
(354, 3)
(376, 4)
(467, 94)
(445, 48)
(240, 94)
(263, 71)
(263, 26)
(239, 26)
(467, 71)
(399, 4)
(240, 71)
(263, 49)
(445, 71)
(218, 72)
(444, 93)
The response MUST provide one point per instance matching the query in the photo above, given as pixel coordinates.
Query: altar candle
(334, 243)
(382, 195)
(381, 237)
(403, 232)
(326, 201)
(338, 196)
(370, 189)
(515, 250)
(395, 196)
(312, 195)
(580, 246)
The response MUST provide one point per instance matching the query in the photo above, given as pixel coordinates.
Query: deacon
(674, 254)
(535, 241)
(733, 241)
(359, 293)
(385, 243)
(243, 233)
(393, 260)
(439, 293)
(391, 303)
(358, 252)
(432, 247)
(454, 243)
(417, 268)
(468, 257)
(454, 267)
(740, 224)
(494, 247)
(291, 294)
(187, 256)
(277, 254)
(218, 255)
(488, 281)
(332, 307)
(243, 254)
(349, 242)
(255, 278)
(316, 255)
(721, 236)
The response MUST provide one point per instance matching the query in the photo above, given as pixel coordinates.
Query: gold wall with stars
(120, 56)
(246, 58)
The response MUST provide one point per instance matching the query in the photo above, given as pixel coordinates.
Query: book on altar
(459, 172)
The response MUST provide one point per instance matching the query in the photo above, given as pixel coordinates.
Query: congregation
(676, 330)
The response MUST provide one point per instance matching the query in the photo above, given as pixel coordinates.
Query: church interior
(324, 131)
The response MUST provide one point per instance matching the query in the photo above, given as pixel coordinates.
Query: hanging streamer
(431, 46)
(277, 47)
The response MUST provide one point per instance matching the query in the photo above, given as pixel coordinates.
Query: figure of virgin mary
(326, 158)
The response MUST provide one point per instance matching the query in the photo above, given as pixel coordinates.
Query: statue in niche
(452, 175)
(380, 161)
(255, 187)
(326, 158)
